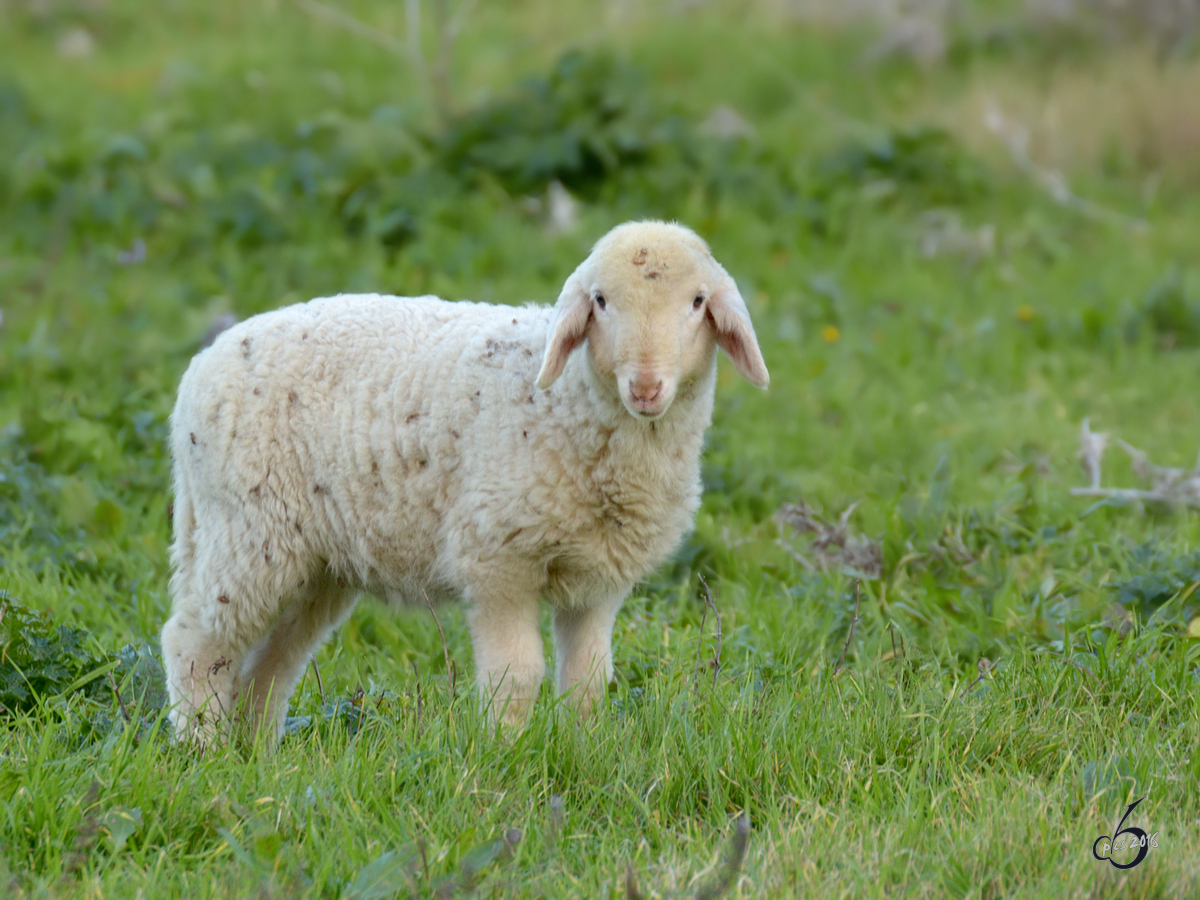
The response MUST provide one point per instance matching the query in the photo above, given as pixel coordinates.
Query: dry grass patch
(1130, 112)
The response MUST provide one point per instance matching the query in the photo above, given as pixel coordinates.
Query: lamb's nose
(644, 392)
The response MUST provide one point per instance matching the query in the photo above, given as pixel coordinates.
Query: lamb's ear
(735, 333)
(572, 313)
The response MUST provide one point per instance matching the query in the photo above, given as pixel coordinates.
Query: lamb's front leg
(583, 650)
(507, 639)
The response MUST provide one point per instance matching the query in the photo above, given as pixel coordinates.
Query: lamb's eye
(600, 300)
(698, 302)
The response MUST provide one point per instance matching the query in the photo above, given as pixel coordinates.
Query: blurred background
(953, 548)
(962, 228)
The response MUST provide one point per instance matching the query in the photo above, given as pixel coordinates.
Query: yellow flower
(1025, 313)
(830, 334)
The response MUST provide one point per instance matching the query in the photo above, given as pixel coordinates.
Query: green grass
(892, 777)
(265, 156)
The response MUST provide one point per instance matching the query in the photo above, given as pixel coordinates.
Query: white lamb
(401, 446)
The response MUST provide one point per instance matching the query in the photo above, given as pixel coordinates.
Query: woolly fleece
(402, 447)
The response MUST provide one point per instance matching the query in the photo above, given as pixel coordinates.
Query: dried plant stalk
(833, 544)
(1166, 486)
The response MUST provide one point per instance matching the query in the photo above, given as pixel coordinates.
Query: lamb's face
(653, 306)
(650, 329)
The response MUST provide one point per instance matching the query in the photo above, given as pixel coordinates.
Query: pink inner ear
(736, 337)
(567, 344)
(735, 348)
(569, 332)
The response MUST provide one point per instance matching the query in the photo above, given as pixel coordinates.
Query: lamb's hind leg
(275, 665)
(202, 659)
(226, 592)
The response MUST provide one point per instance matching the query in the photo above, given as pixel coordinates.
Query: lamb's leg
(201, 664)
(502, 613)
(226, 593)
(275, 665)
(583, 650)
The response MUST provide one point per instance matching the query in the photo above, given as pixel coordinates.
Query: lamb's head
(653, 305)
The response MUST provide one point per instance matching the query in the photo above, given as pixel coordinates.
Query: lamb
(422, 450)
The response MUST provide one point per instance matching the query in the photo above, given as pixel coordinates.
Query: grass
(263, 155)
(888, 778)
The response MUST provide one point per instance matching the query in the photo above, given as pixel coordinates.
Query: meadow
(925, 667)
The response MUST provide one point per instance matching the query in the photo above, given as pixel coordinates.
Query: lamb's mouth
(648, 411)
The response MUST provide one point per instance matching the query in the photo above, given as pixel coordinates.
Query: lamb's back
(345, 421)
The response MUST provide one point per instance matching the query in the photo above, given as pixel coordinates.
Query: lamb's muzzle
(647, 396)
